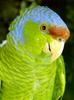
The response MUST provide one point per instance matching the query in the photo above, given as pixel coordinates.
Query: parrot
(31, 62)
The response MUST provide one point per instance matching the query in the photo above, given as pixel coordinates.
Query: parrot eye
(43, 27)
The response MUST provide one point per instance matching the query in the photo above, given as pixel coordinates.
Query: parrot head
(40, 30)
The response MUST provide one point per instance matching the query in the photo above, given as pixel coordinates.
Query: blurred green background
(9, 9)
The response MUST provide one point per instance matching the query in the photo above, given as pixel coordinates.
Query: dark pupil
(43, 27)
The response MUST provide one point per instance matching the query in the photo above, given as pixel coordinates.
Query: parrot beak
(54, 48)
(59, 36)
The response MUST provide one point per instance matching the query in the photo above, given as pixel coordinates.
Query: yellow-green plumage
(26, 78)
(26, 71)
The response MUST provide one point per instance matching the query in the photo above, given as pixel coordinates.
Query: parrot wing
(59, 85)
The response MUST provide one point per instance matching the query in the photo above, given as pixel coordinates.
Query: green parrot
(31, 65)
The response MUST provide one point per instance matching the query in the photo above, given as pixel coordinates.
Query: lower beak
(55, 48)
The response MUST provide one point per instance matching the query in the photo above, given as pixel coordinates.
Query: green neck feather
(20, 54)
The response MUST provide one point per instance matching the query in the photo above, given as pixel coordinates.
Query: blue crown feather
(39, 14)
